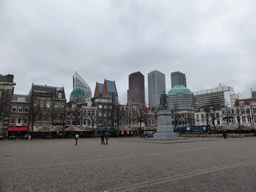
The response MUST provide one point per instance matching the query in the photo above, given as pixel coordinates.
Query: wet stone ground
(128, 164)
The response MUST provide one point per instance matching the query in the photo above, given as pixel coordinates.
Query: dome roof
(179, 89)
(77, 93)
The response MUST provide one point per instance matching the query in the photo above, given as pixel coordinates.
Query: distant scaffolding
(78, 82)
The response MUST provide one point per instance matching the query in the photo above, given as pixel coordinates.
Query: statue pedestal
(165, 127)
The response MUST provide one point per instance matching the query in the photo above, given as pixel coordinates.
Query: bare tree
(34, 111)
(239, 111)
(175, 116)
(117, 115)
(140, 116)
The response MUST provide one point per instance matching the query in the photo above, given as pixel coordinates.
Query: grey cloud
(45, 42)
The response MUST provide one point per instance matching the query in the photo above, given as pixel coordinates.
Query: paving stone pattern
(128, 164)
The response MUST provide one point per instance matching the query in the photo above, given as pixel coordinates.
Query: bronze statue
(163, 101)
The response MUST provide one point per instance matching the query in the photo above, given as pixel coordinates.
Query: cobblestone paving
(128, 164)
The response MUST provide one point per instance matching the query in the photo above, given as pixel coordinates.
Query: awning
(17, 128)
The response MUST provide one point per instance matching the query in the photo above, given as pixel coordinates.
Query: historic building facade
(47, 107)
(19, 115)
(6, 92)
(105, 99)
(243, 113)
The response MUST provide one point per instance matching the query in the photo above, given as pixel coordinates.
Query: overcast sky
(45, 42)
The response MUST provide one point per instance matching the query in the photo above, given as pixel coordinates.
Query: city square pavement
(128, 164)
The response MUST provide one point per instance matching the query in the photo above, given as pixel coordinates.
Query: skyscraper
(156, 85)
(178, 78)
(78, 82)
(136, 91)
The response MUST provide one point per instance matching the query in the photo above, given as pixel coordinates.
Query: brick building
(6, 92)
(19, 115)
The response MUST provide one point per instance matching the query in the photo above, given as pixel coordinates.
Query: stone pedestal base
(165, 127)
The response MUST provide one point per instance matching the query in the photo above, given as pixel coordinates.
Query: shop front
(17, 131)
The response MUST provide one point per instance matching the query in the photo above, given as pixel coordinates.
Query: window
(249, 119)
(14, 108)
(100, 114)
(41, 104)
(25, 121)
(100, 106)
(20, 109)
(105, 106)
(0, 94)
(56, 106)
(26, 109)
(105, 113)
(19, 120)
(48, 104)
(243, 119)
(12, 120)
(74, 105)
(59, 95)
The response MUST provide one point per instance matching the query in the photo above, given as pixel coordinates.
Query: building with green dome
(181, 98)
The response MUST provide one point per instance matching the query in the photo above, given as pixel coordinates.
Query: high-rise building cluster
(46, 109)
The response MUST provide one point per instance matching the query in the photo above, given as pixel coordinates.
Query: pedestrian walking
(225, 135)
(102, 139)
(76, 138)
(106, 138)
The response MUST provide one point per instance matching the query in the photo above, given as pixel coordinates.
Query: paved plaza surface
(128, 164)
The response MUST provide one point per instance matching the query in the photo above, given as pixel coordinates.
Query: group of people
(103, 138)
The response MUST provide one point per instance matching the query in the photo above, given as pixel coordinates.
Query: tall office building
(78, 82)
(178, 78)
(156, 85)
(136, 91)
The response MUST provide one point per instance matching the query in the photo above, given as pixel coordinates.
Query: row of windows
(105, 106)
(81, 122)
(85, 113)
(18, 120)
(47, 104)
(20, 109)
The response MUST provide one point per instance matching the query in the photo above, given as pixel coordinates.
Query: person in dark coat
(106, 136)
(102, 139)
(76, 138)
